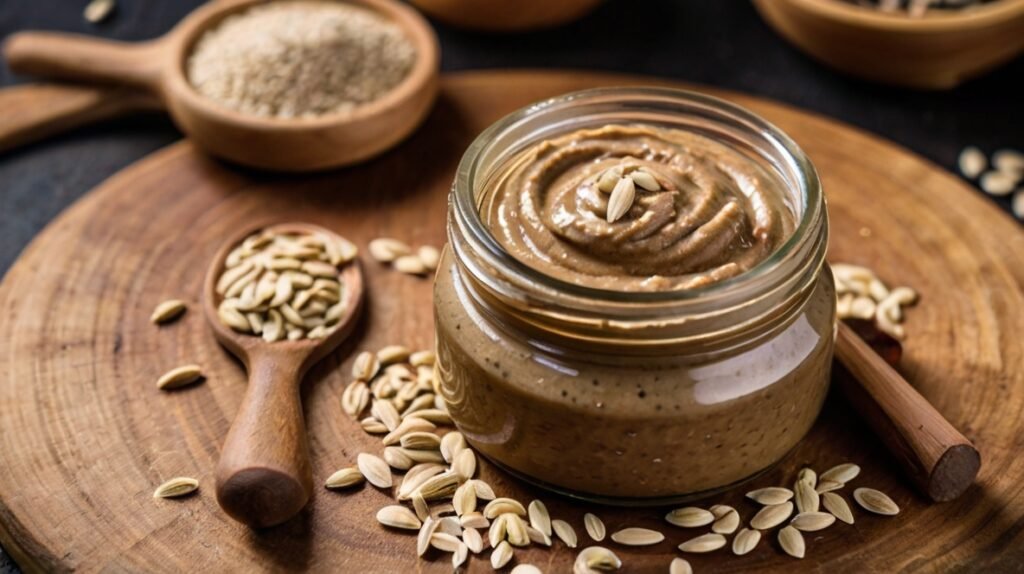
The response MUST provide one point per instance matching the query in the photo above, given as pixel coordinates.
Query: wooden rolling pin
(941, 461)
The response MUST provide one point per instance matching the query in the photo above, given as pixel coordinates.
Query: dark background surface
(721, 43)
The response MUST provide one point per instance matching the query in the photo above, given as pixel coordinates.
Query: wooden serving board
(85, 436)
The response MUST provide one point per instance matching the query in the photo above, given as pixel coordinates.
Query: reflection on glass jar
(647, 377)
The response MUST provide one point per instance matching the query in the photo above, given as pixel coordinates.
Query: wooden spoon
(264, 475)
(942, 462)
(158, 67)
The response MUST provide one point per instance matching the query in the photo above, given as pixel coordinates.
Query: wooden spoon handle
(264, 476)
(940, 460)
(38, 111)
(85, 59)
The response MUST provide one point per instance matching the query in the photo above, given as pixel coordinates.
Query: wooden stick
(940, 460)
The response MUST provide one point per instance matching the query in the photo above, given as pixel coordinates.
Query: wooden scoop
(941, 461)
(264, 475)
(158, 68)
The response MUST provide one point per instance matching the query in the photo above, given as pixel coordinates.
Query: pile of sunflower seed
(395, 394)
(999, 176)
(862, 295)
(918, 8)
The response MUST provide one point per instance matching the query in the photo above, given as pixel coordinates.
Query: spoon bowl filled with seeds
(281, 85)
(280, 299)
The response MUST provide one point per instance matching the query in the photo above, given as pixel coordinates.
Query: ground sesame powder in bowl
(300, 59)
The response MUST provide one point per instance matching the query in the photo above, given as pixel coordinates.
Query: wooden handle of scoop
(264, 476)
(34, 112)
(940, 460)
(84, 59)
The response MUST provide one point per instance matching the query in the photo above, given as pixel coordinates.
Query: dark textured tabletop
(720, 43)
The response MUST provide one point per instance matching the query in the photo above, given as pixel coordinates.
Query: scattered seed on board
(460, 555)
(828, 486)
(464, 464)
(771, 495)
(365, 367)
(386, 249)
(595, 528)
(596, 558)
(539, 516)
(771, 516)
(792, 542)
(175, 487)
(875, 501)
(972, 162)
(745, 541)
(375, 470)
(680, 566)
(526, 569)
(397, 516)
(410, 265)
(727, 524)
(445, 542)
(430, 256)
(690, 517)
(500, 506)
(98, 11)
(997, 183)
(637, 536)
(471, 537)
(807, 475)
(812, 521)
(807, 499)
(837, 506)
(501, 555)
(423, 538)
(703, 543)
(179, 377)
(1009, 161)
(564, 531)
(344, 478)
(841, 473)
(168, 311)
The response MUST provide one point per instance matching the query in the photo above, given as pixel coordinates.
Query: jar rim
(466, 208)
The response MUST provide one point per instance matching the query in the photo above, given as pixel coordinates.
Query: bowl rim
(423, 74)
(982, 16)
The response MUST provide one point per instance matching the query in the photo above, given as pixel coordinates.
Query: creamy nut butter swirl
(713, 213)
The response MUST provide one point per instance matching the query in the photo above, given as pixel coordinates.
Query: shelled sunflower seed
(179, 377)
(875, 501)
(594, 526)
(620, 182)
(862, 295)
(175, 487)
(285, 285)
(167, 311)
(402, 258)
(97, 11)
(635, 536)
(1006, 176)
(596, 558)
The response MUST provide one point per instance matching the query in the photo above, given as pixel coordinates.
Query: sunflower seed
(231, 276)
(423, 539)
(355, 398)
(452, 444)
(1009, 161)
(410, 265)
(375, 470)
(595, 528)
(690, 517)
(450, 525)
(397, 516)
(445, 542)
(875, 501)
(680, 566)
(837, 506)
(808, 477)
(645, 179)
(637, 536)
(232, 317)
(538, 537)
(386, 413)
(620, 200)
(771, 495)
(179, 377)
(501, 555)
(178, 486)
(703, 543)
(464, 464)
(498, 530)
(474, 520)
(828, 486)
(420, 506)
(526, 569)
(473, 540)
(420, 456)
(483, 490)
(539, 516)
(420, 440)
(997, 183)
(273, 330)
(167, 311)
(365, 366)
(596, 558)
(464, 499)
(807, 499)
(386, 249)
(792, 542)
(771, 516)
(397, 458)
(392, 354)
(841, 473)
(727, 524)
(745, 541)
(412, 426)
(430, 256)
(972, 162)
(606, 182)
(440, 486)
(373, 426)
(720, 510)
(812, 521)
(344, 478)
(516, 530)
(416, 476)
(564, 532)
(98, 10)
(500, 506)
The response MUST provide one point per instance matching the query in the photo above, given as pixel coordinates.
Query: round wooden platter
(85, 436)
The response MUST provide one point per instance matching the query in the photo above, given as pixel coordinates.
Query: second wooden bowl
(937, 51)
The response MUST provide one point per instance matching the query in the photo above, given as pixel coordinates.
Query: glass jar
(634, 397)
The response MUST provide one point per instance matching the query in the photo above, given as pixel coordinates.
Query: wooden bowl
(300, 144)
(506, 15)
(938, 51)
